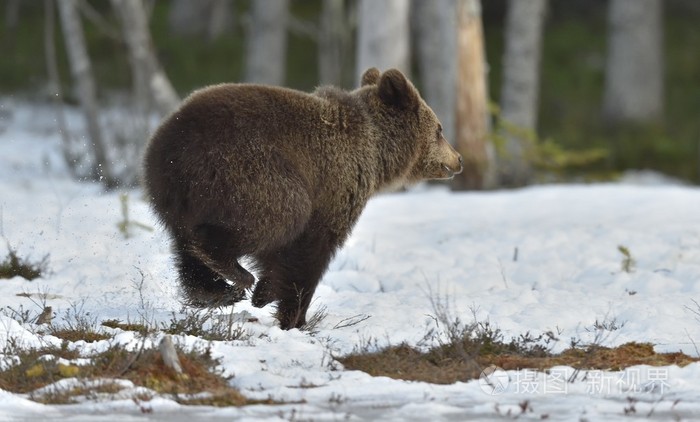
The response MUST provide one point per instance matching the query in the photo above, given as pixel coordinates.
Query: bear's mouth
(449, 172)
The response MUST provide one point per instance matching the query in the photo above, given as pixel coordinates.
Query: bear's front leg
(294, 274)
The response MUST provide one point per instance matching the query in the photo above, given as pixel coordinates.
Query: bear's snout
(461, 165)
(454, 168)
(452, 162)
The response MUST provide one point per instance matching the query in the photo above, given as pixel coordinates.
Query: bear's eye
(439, 132)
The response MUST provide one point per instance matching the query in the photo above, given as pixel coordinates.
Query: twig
(350, 321)
(697, 352)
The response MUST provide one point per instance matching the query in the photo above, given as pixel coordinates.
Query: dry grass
(207, 325)
(126, 326)
(464, 350)
(446, 365)
(200, 383)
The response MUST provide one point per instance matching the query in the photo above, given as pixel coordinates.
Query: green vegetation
(572, 78)
(628, 263)
(126, 224)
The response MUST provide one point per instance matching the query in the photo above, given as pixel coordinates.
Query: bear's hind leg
(217, 247)
(201, 286)
(264, 293)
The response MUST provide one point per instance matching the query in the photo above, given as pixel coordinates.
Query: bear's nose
(461, 161)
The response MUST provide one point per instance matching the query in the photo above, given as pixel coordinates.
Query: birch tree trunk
(520, 90)
(209, 18)
(472, 102)
(383, 36)
(150, 83)
(634, 67)
(266, 55)
(435, 26)
(332, 42)
(81, 72)
(54, 85)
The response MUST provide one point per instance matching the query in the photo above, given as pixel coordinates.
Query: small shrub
(77, 324)
(315, 320)
(207, 325)
(14, 265)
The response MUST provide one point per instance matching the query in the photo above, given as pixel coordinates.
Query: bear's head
(411, 119)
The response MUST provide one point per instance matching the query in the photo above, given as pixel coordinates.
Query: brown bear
(281, 176)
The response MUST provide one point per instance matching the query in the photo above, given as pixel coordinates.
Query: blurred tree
(84, 81)
(333, 41)
(11, 19)
(150, 84)
(520, 88)
(634, 67)
(472, 120)
(383, 36)
(203, 18)
(435, 28)
(266, 54)
(68, 147)
(151, 89)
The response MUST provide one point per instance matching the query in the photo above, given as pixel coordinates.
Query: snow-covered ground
(539, 259)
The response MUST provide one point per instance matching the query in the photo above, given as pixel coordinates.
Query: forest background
(568, 121)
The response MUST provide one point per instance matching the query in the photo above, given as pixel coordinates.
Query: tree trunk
(472, 102)
(332, 42)
(520, 90)
(435, 24)
(266, 55)
(149, 80)
(11, 22)
(383, 36)
(54, 82)
(634, 67)
(201, 18)
(81, 72)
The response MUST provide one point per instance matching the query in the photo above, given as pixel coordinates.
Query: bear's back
(249, 142)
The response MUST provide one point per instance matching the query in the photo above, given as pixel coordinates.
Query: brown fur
(282, 176)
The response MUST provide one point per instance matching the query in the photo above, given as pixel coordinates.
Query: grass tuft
(13, 265)
(628, 263)
(207, 325)
(77, 324)
(126, 326)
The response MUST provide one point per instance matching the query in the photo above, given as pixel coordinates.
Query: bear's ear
(370, 77)
(395, 90)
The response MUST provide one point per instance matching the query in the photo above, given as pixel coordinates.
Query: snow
(543, 258)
